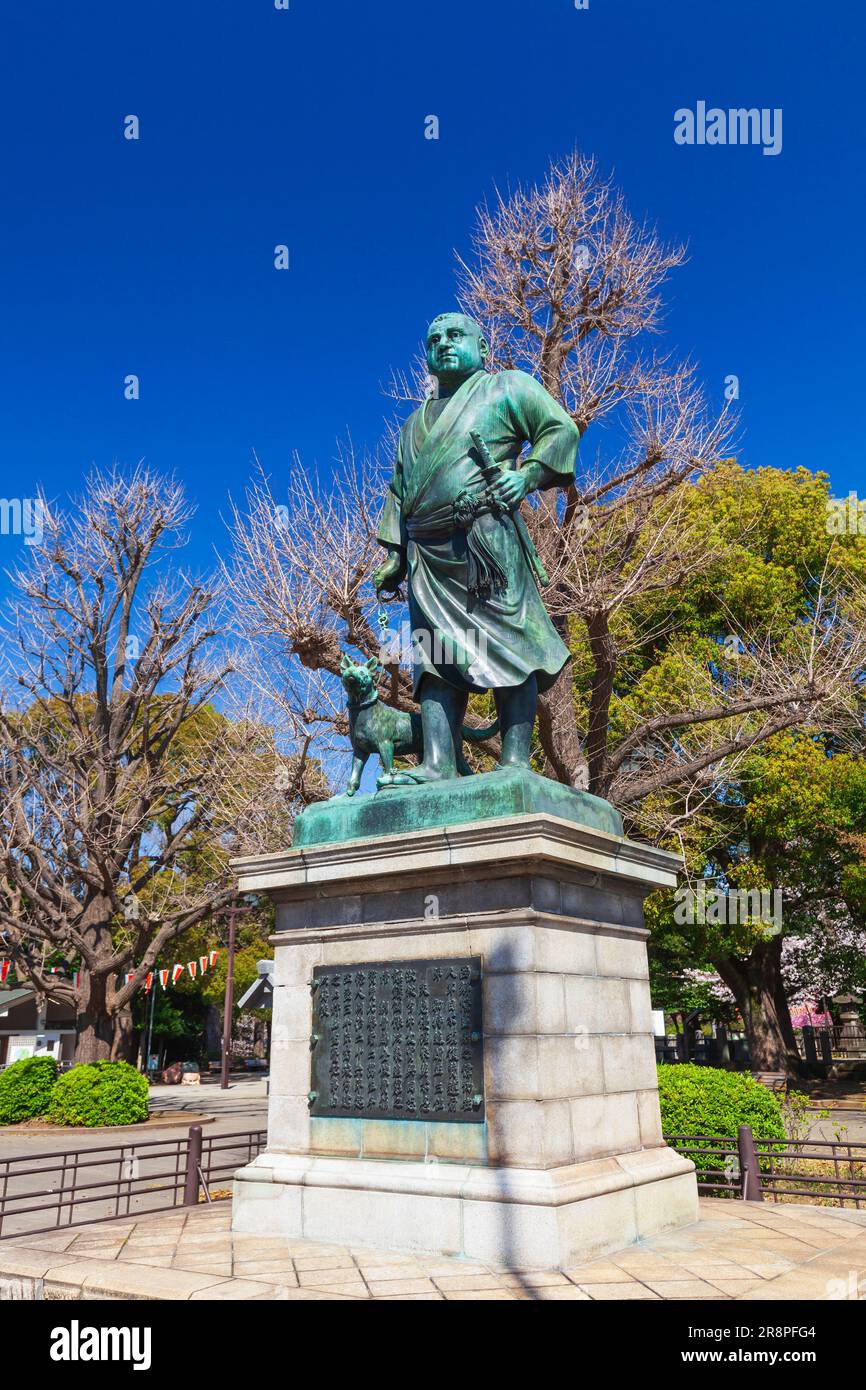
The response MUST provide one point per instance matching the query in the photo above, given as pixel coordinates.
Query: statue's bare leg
(442, 713)
(516, 709)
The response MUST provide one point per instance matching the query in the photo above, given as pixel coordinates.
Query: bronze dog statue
(375, 727)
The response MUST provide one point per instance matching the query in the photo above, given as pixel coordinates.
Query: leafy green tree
(251, 946)
(791, 825)
(179, 1022)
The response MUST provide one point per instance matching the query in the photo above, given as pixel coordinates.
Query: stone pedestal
(569, 1161)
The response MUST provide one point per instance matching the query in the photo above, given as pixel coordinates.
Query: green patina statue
(452, 524)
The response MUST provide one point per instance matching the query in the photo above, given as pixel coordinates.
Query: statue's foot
(423, 773)
(512, 764)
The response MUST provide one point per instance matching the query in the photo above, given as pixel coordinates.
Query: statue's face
(358, 679)
(456, 348)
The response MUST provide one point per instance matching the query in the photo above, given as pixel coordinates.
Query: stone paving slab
(736, 1251)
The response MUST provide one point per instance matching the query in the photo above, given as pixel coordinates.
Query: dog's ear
(373, 663)
(345, 663)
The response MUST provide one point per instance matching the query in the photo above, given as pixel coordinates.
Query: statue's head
(358, 678)
(456, 347)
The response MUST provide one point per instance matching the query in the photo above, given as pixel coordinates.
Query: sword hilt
(490, 468)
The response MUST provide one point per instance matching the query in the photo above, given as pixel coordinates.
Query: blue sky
(306, 127)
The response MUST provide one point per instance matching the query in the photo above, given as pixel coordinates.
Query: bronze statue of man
(451, 523)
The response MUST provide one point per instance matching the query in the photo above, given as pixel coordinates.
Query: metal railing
(107, 1181)
(824, 1171)
(842, 1042)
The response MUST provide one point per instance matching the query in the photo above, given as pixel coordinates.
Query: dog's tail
(479, 735)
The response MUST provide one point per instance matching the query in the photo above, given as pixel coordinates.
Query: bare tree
(568, 286)
(570, 283)
(122, 788)
(300, 583)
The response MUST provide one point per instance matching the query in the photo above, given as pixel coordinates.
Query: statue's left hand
(512, 487)
(389, 574)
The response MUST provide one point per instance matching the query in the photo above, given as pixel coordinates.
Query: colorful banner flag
(4, 970)
(203, 964)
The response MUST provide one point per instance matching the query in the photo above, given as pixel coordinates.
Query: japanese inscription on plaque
(398, 1040)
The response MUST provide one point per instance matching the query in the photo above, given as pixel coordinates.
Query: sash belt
(485, 575)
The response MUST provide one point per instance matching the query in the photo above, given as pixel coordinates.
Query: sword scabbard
(490, 470)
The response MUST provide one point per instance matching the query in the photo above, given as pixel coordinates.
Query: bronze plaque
(398, 1040)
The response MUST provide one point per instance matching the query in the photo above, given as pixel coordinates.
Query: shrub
(714, 1103)
(799, 1114)
(99, 1093)
(707, 1100)
(25, 1089)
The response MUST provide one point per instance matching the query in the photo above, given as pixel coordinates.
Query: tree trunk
(756, 983)
(557, 728)
(784, 1015)
(94, 1026)
(603, 651)
(124, 1042)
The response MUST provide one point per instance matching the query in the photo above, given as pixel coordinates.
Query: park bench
(773, 1080)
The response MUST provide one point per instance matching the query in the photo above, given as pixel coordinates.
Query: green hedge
(25, 1089)
(707, 1100)
(99, 1093)
(714, 1103)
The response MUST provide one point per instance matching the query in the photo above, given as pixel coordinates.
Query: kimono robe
(474, 643)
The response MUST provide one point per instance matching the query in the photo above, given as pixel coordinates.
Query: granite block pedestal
(569, 1160)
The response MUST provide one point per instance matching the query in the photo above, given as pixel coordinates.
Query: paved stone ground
(843, 1123)
(736, 1251)
(245, 1099)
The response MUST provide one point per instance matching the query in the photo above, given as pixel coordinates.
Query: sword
(491, 472)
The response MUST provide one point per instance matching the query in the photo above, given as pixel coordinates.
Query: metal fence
(842, 1042)
(706, 1052)
(818, 1171)
(51, 1191)
(54, 1191)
